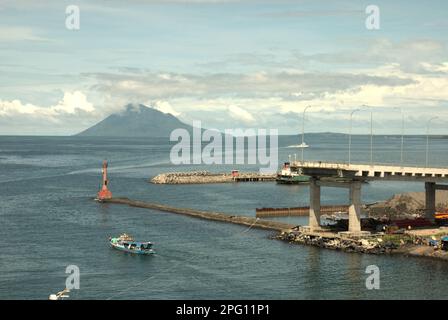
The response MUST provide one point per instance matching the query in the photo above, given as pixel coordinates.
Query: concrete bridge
(351, 176)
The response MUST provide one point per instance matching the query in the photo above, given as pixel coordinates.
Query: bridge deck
(371, 172)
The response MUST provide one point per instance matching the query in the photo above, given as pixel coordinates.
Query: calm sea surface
(48, 221)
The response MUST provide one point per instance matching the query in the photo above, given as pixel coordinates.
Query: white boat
(302, 145)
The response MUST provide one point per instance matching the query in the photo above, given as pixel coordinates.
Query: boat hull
(134, 251)
(296, 179)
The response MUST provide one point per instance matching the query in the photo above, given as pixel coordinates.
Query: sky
(228, 63)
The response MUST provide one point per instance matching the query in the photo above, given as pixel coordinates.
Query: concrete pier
(430, 200)
(314, 221)
(354, 211)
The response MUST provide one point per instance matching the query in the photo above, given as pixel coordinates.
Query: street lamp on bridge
(427, 139)
(371, 132)
(402, 135)
(303, 131)
(350, 135)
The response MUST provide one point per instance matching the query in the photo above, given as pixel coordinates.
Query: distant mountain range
(136, 121)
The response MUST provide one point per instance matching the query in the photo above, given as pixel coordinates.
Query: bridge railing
(342, 164)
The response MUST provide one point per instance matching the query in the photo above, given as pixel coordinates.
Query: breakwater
(208, 215)
(202, 177)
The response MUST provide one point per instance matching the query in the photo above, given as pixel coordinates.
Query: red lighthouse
(104, 193)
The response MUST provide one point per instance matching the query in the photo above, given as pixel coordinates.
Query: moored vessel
(286, 176)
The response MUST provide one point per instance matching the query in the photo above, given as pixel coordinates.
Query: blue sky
(253, 64)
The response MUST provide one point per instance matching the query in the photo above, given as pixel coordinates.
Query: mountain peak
(136, 120)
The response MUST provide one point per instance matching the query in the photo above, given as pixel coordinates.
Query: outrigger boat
(126, 243)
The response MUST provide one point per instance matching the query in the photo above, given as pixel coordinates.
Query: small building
(235, 173)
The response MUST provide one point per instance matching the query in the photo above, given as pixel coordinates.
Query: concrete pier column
(430, 200)
(354, 211)
(314, 221)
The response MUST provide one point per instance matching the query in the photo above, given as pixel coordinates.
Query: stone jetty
(202, 177)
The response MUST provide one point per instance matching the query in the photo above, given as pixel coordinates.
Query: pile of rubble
(371, 245)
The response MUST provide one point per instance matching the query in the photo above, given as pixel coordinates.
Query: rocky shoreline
(372, 245)
(406, 244)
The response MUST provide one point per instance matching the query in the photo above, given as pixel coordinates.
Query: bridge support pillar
(430, 200)
(314, 220)
(354, 212)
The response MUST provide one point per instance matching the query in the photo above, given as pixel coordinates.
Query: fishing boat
(127, 243)
(286, 176)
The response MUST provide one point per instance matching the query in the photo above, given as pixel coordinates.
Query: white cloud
(71, 103)
(240, 114)
(165, 107)
(9, 34)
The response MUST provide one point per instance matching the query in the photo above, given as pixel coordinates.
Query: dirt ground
(427, 232)
(405, 204)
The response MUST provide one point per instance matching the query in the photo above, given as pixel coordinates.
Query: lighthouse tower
(104, 193)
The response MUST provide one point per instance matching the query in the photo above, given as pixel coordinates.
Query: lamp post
(371, 136)
(371, 132)
(402, 136)
(427, 139)
(350, 136)
(303, 130)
